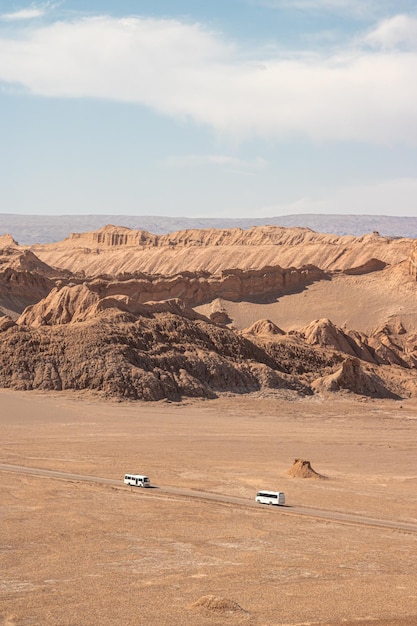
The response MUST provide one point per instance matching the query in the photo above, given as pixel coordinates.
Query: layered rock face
(116, 251)
(123, 349)
(195, 289)
(101, 323)
(412, 262)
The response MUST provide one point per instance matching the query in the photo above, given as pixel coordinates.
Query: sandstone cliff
(141, 316)
(114, 251)
(197, 288)
(412, 261)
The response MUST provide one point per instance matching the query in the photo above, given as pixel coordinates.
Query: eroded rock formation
(115, 251)
(160, 350)
(412, 262)
(24, 279)
(357, 377)
(303, 469)
(108, 326)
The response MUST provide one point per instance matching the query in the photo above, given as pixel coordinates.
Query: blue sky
(227, 108)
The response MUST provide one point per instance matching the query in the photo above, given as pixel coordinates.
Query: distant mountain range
(31, 229)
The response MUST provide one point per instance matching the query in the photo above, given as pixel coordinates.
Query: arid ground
(80, 554)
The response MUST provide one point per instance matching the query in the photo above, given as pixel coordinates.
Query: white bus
(137, 480)
(270, 497)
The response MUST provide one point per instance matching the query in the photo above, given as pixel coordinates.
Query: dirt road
(326, 515)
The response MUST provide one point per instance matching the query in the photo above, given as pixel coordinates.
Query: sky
(226, 108)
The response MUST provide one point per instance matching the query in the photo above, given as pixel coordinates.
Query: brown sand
(86, 554)
(354, 302)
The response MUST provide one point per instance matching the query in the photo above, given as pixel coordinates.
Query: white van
(270, 497)
(137, 480)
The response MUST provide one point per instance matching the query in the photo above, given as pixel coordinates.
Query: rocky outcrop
(218, 313)
(6, 322)
(14, 258)
(6, 241)
(319, 358)
(257, 236)
(193, 289)
(264, 327)
(119, 236)
(303, 469)
(80, 338)
(77, 303)
(387, 345)
(115, 237)
(294, 356)
(394, 345)
(354, 376)
(61, 306)
(136, 335)
(163, 351)
(24, 279)
(326, 334)
(115, 250)
(412, 262)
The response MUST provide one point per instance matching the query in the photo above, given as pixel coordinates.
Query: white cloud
(399, 31)
(184, 71)
(23, 14)
(34, 11)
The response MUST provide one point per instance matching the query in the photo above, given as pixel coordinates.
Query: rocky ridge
(149, 352)
(137, 336)
(119, 251)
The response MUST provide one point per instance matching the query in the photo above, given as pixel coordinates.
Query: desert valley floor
(81, 553)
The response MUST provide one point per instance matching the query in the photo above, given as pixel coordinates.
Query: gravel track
(319, 514)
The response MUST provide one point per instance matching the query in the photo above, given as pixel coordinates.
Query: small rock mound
(264, 327)
(218, 313)
(217, 605)
(220, 317)
(303, 469)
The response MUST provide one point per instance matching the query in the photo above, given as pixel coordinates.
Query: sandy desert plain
(84, 553)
